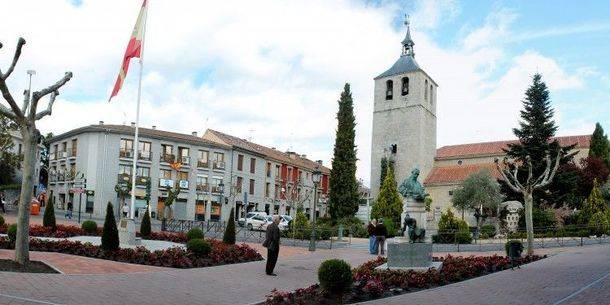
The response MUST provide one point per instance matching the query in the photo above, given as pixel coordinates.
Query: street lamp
(316, 176)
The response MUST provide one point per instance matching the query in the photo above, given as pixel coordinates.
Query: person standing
(381, 232)
(69, 210)
(2, 202)
(372, 236)
(272, 243)
(125, 210)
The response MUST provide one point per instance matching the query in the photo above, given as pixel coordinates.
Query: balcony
(167, 158)
(73, 152)
(183, 184)
(203, 187)
(219, 165)
(141, 180)
(53, 156)
(166, 183)
(62, 154)
(215, 189)
(144, 155)
(185, 160)
(124, 178)
(203, 163)
(126, 153)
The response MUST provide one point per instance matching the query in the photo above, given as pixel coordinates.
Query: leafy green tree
(145, 228)
(48, 219)
(229, 235)
(593, 205)
(480, 192)
(343, 196)
(600, 146)
(385, 164)
(110, 233)
(388, 204)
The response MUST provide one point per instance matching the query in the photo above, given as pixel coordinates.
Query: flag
(134, 49)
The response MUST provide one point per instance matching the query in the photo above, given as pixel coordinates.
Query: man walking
(272, 243)
(381, 232)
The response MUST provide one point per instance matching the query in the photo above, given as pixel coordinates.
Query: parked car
(256, 222)
(283, 222)
(242, 221)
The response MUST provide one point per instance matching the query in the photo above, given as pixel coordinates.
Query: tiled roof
(292, 158)
(495, 148)
(457, 173)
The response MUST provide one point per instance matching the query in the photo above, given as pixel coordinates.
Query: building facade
(88, 164)
(404, 118)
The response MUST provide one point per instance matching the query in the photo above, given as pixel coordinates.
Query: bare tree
(293, 197)
(25, 118)
(510, 170)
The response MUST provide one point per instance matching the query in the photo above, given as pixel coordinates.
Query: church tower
(404, 118)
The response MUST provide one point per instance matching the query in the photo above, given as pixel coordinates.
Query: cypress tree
(110, 234)
(343, 196)
(145, 225)
(48, 219)
(600, 147)
(229, 236)
(389, 203)
(385, 164)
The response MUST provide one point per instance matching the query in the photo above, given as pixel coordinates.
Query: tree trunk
(529, 222)
(22, 245)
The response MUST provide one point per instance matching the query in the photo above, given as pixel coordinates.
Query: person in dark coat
(372, 237)
(272, 243)
(381, 232)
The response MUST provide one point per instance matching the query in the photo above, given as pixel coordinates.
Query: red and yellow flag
(134, 49)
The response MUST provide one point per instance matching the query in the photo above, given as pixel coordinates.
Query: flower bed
(221, 253)
(370, 284)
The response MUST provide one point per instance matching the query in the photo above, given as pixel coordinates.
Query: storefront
(200, 208)
(216, 211)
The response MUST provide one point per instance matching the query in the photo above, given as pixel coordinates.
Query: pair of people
(377, 235)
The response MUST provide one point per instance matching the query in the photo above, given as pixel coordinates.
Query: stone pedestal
(127, 232)
(403, 255)
(417, 211)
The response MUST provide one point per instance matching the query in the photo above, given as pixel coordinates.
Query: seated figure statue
(410, 187)
(416, 235)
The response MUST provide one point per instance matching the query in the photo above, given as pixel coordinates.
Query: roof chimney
(133, 124)
(154, 127)
(304, 156)
(319, 162)
(194, 133)
(101, 122)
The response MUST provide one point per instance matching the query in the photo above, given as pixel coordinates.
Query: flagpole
(136, 144)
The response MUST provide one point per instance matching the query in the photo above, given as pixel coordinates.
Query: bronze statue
(416, 235)
(410, 187)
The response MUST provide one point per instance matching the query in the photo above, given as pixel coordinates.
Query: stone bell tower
(404, 118)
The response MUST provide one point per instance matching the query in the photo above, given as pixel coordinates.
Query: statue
(416, 235)
(410, 187)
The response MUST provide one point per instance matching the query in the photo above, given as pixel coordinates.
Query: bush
(110, 233)
(300, 228)
(598, 224)
(510, 242)
(1, 221)
(89, 226)
(12, 232)
(194, 233)
(199, 247)
(145, 225)
(389, 224)
(541, 218)
(335, 276)
(229, 236)
(452, 230)
(487, 231)
(48, 220)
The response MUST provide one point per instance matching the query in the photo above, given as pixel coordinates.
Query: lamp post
(316, 176)
(221, 190)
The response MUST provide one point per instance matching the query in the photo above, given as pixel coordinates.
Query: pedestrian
(381, 232)
(42, 199)
(272, 243)
(372, 237)
(69, 210)
(2, 202)
(125, 210)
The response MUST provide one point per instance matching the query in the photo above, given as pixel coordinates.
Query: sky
(273, 70)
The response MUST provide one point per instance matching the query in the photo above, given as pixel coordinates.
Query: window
(405, 86)
(167, 153)
(165, 174)
(183, 153)
(126, 148)
(143, 171)
(252, 165)
(450, 193)
(240, 162)
(460, 162)
(426, 90)
(219, 160)
(202, 181)
(74, 147)
(431, 94)
(276, 192)
(389, 89)
(144, 150)
(268, 169)
(238, 184)
(203, 158)
(183, 176)
(19, 149)
(393, 148)
(289, 178)
(277, 172)
(267, 189)
(125, 170)
(64, 146)
(251, 189)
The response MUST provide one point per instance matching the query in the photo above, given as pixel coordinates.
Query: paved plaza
(568, 273)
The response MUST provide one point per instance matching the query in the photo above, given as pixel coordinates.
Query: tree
(480, 192)
(593, 170)
(229, 236)
(510, 172)
(44, 158)
(25, 118)
(145, 225)
(385, 164)
(594, 204)
(599, 146)
(343, 196)
(9, 161)
(110, 233)
(123, 190)
(535, 133)
(388, 204)
(48, 220)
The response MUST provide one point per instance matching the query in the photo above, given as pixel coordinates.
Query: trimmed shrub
(452, 230)
(229, 236)
(1, 221)
(194, 233)
(487, 231)
(335, 276)
(48, 220)
(110, 234)
(89, 226)
(145, 225)
(199, 247)
(389, 225)
(510, 242)
(598, 224)
(12, 232)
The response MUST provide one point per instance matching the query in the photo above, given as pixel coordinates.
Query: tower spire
(407, 43)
